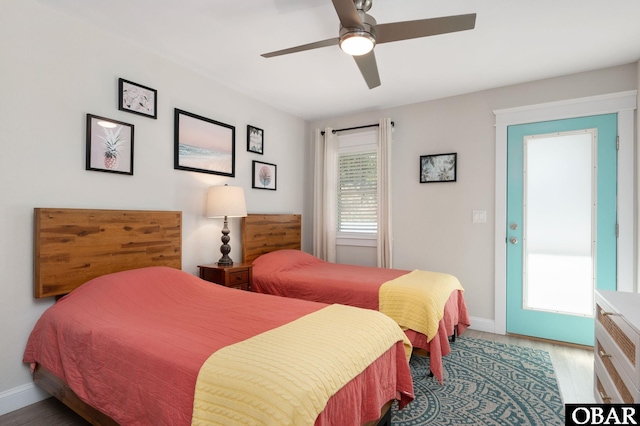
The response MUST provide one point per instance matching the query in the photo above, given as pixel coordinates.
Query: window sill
(358, 241)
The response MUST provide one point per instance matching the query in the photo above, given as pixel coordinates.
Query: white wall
(53, 71)
(432, 223)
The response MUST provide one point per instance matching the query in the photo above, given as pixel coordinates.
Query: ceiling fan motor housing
(363, 5)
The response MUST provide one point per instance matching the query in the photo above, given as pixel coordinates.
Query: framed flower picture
(264, 175)
(109, 145)
(438, 168)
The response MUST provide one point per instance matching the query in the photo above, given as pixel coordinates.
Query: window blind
(358, 192)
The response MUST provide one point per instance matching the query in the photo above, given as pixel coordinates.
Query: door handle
(513, 240)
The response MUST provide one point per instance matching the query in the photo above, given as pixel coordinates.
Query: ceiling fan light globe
(357, 43)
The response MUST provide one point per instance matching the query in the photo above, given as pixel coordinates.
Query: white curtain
(384, 246)
(325, 194)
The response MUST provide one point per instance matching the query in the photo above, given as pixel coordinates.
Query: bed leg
(455, 333)
(385, 416)
(385, 420)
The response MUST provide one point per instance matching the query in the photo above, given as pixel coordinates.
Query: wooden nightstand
(237, 275)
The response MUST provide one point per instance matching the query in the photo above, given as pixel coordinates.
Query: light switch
(479, 216)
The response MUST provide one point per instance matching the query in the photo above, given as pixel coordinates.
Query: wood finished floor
(573, 367)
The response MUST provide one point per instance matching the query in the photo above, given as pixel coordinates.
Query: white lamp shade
(226, 201)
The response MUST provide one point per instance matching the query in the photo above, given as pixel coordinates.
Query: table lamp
(226, 201)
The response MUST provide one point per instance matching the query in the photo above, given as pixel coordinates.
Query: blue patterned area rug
(485, 383)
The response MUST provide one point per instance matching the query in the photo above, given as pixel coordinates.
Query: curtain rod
(356, 128)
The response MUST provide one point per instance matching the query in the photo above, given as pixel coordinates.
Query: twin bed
(138, 341)
(428, 306)
(135, 340)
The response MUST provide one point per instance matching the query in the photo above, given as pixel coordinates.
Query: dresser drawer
(617, 348)
(620, 341)
(617, 384)
(604, 390)
(608, 388)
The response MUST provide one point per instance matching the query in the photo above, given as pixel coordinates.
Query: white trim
(483, 324)
(627, 243)
(622, 103)
(357, 241)
(592, 105)
(17, 398)
(358, 142)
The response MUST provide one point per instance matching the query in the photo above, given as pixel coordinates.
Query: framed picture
(255, 140)
(263, 175)
(109, 145)
(438, 168)
(203, 145)
(137, 99)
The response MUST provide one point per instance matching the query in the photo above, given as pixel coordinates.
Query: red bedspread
(131, 344)
(296, 274)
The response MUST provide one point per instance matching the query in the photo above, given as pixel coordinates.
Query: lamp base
(225, 260)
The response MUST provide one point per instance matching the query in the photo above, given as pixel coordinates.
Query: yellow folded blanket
(285, 376)
(416, 300)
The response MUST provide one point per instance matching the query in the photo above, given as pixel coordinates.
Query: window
(357, 203)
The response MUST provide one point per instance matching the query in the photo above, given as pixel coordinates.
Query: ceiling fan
(359, 33)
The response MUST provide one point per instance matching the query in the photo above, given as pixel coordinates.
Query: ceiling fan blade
(302, 48)
(368, 69)
(347, 13)
(397, 31)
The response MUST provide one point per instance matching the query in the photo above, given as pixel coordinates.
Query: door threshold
(553, 342)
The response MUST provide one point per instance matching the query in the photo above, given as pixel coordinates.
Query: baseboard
(483, 324)
(21, 396)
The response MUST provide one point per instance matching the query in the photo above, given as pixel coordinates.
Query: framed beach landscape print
(203, 145)
(109, 145)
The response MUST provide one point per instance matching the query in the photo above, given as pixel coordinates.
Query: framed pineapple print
(264, 175)
(109, 145)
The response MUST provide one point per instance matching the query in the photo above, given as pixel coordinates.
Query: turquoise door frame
(549, 325)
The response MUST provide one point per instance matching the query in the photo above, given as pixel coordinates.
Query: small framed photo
(109, 145)
(438, 168)
(255, 139)
(203, 145)
(137, 99)
(264, 175)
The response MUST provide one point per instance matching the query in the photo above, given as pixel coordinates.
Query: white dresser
(617, 347)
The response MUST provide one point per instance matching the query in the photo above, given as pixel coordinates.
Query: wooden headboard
(72, 246)
(264, 233)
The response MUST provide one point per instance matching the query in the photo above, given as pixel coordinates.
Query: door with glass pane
(561, 218)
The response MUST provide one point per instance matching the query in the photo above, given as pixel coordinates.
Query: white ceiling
(513, 42)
